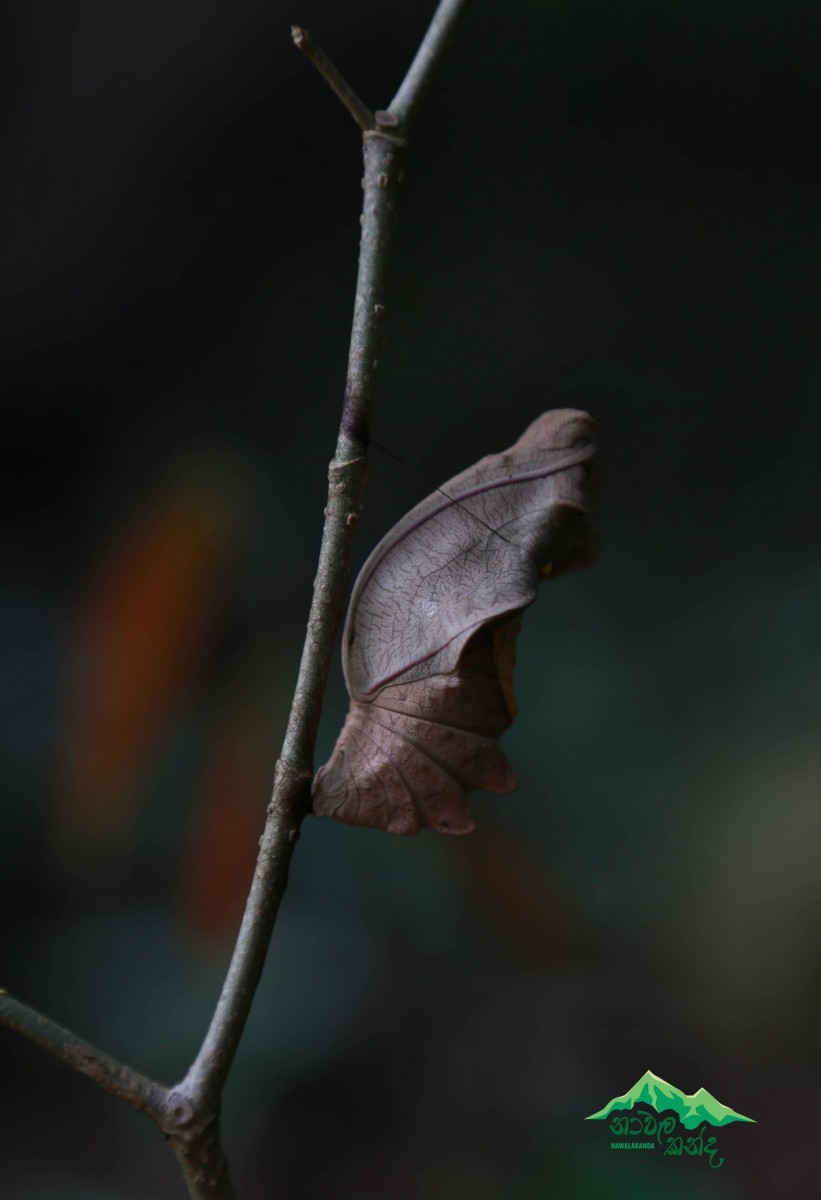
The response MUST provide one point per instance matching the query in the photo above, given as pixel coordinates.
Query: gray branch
(189, 1113)
(430, 51)
(331, 74)
(383, 148)
(142, 1093)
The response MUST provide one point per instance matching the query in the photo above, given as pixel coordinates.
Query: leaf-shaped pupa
(429, 642)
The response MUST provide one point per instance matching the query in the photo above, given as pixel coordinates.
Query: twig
(427, 56)
(383, 149)
(196, 1145)
(142, 1093)
(312, 50)
(189, 1112)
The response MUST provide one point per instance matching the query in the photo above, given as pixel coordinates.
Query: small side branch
(330, 73)
(427, 56)
(142, 1093)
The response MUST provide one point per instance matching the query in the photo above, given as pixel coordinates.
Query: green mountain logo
(659, 1094)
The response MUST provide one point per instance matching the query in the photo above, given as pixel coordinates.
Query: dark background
(609, 206)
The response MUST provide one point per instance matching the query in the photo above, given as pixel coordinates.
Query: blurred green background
(608, 206)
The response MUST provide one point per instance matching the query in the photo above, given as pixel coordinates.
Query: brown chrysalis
(429, 642)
